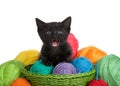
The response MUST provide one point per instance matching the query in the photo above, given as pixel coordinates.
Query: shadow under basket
(58, 80)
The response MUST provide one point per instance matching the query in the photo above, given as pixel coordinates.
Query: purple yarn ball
(64, 68)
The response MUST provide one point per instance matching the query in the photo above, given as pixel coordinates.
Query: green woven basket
(58, 80)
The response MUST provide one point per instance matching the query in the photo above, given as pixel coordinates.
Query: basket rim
(82, 75)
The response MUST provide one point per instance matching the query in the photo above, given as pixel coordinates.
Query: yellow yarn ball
(28, 56)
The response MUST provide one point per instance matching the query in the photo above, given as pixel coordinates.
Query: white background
(94, 22)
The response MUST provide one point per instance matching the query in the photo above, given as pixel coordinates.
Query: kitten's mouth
(55, 43)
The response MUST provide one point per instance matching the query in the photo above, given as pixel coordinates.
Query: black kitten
(55, 49)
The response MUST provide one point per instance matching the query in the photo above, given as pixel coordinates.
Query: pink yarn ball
(73, 42)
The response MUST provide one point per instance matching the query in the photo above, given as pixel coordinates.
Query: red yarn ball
(73, 42)
(97, 83)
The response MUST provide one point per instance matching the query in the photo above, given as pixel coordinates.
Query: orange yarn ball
(92, 53)
(20, 82)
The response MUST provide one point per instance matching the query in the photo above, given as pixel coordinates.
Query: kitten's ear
(39, 23)
(67, 22)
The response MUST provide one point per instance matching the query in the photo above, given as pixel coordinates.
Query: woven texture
(58, 80)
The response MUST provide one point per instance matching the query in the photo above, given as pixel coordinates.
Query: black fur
(55, 49)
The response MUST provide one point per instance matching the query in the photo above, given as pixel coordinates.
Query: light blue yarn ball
(40, 68)
(82, 64)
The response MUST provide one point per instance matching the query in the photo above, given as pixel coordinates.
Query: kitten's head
(54, 33)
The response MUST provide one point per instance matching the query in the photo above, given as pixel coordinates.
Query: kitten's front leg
(45, 61)
(68, 59)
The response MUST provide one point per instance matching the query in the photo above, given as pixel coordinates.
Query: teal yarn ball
(40, 68)
(82, 64)
(109, 69)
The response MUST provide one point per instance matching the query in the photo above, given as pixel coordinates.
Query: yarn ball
(108, 69)
(28, 56)
(73, 42)
(3, 83)
(97, 83)
(20, 82)
(10, 71)
(40, 68)
(82, 64)
(92, 53)
(64, 68)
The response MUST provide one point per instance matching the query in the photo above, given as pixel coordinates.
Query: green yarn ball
(10, 71)
(2, 83)
(40, 68)
(109, 69)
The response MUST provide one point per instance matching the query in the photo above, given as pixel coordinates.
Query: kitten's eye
(60, 32)
(48, 32)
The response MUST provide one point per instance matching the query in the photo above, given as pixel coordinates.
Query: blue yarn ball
(39, 67)
(82, 64)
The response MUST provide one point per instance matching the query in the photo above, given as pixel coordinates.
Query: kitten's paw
(47, 63)
(68, 60)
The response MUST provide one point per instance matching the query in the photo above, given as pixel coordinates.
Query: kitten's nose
(54, 36)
